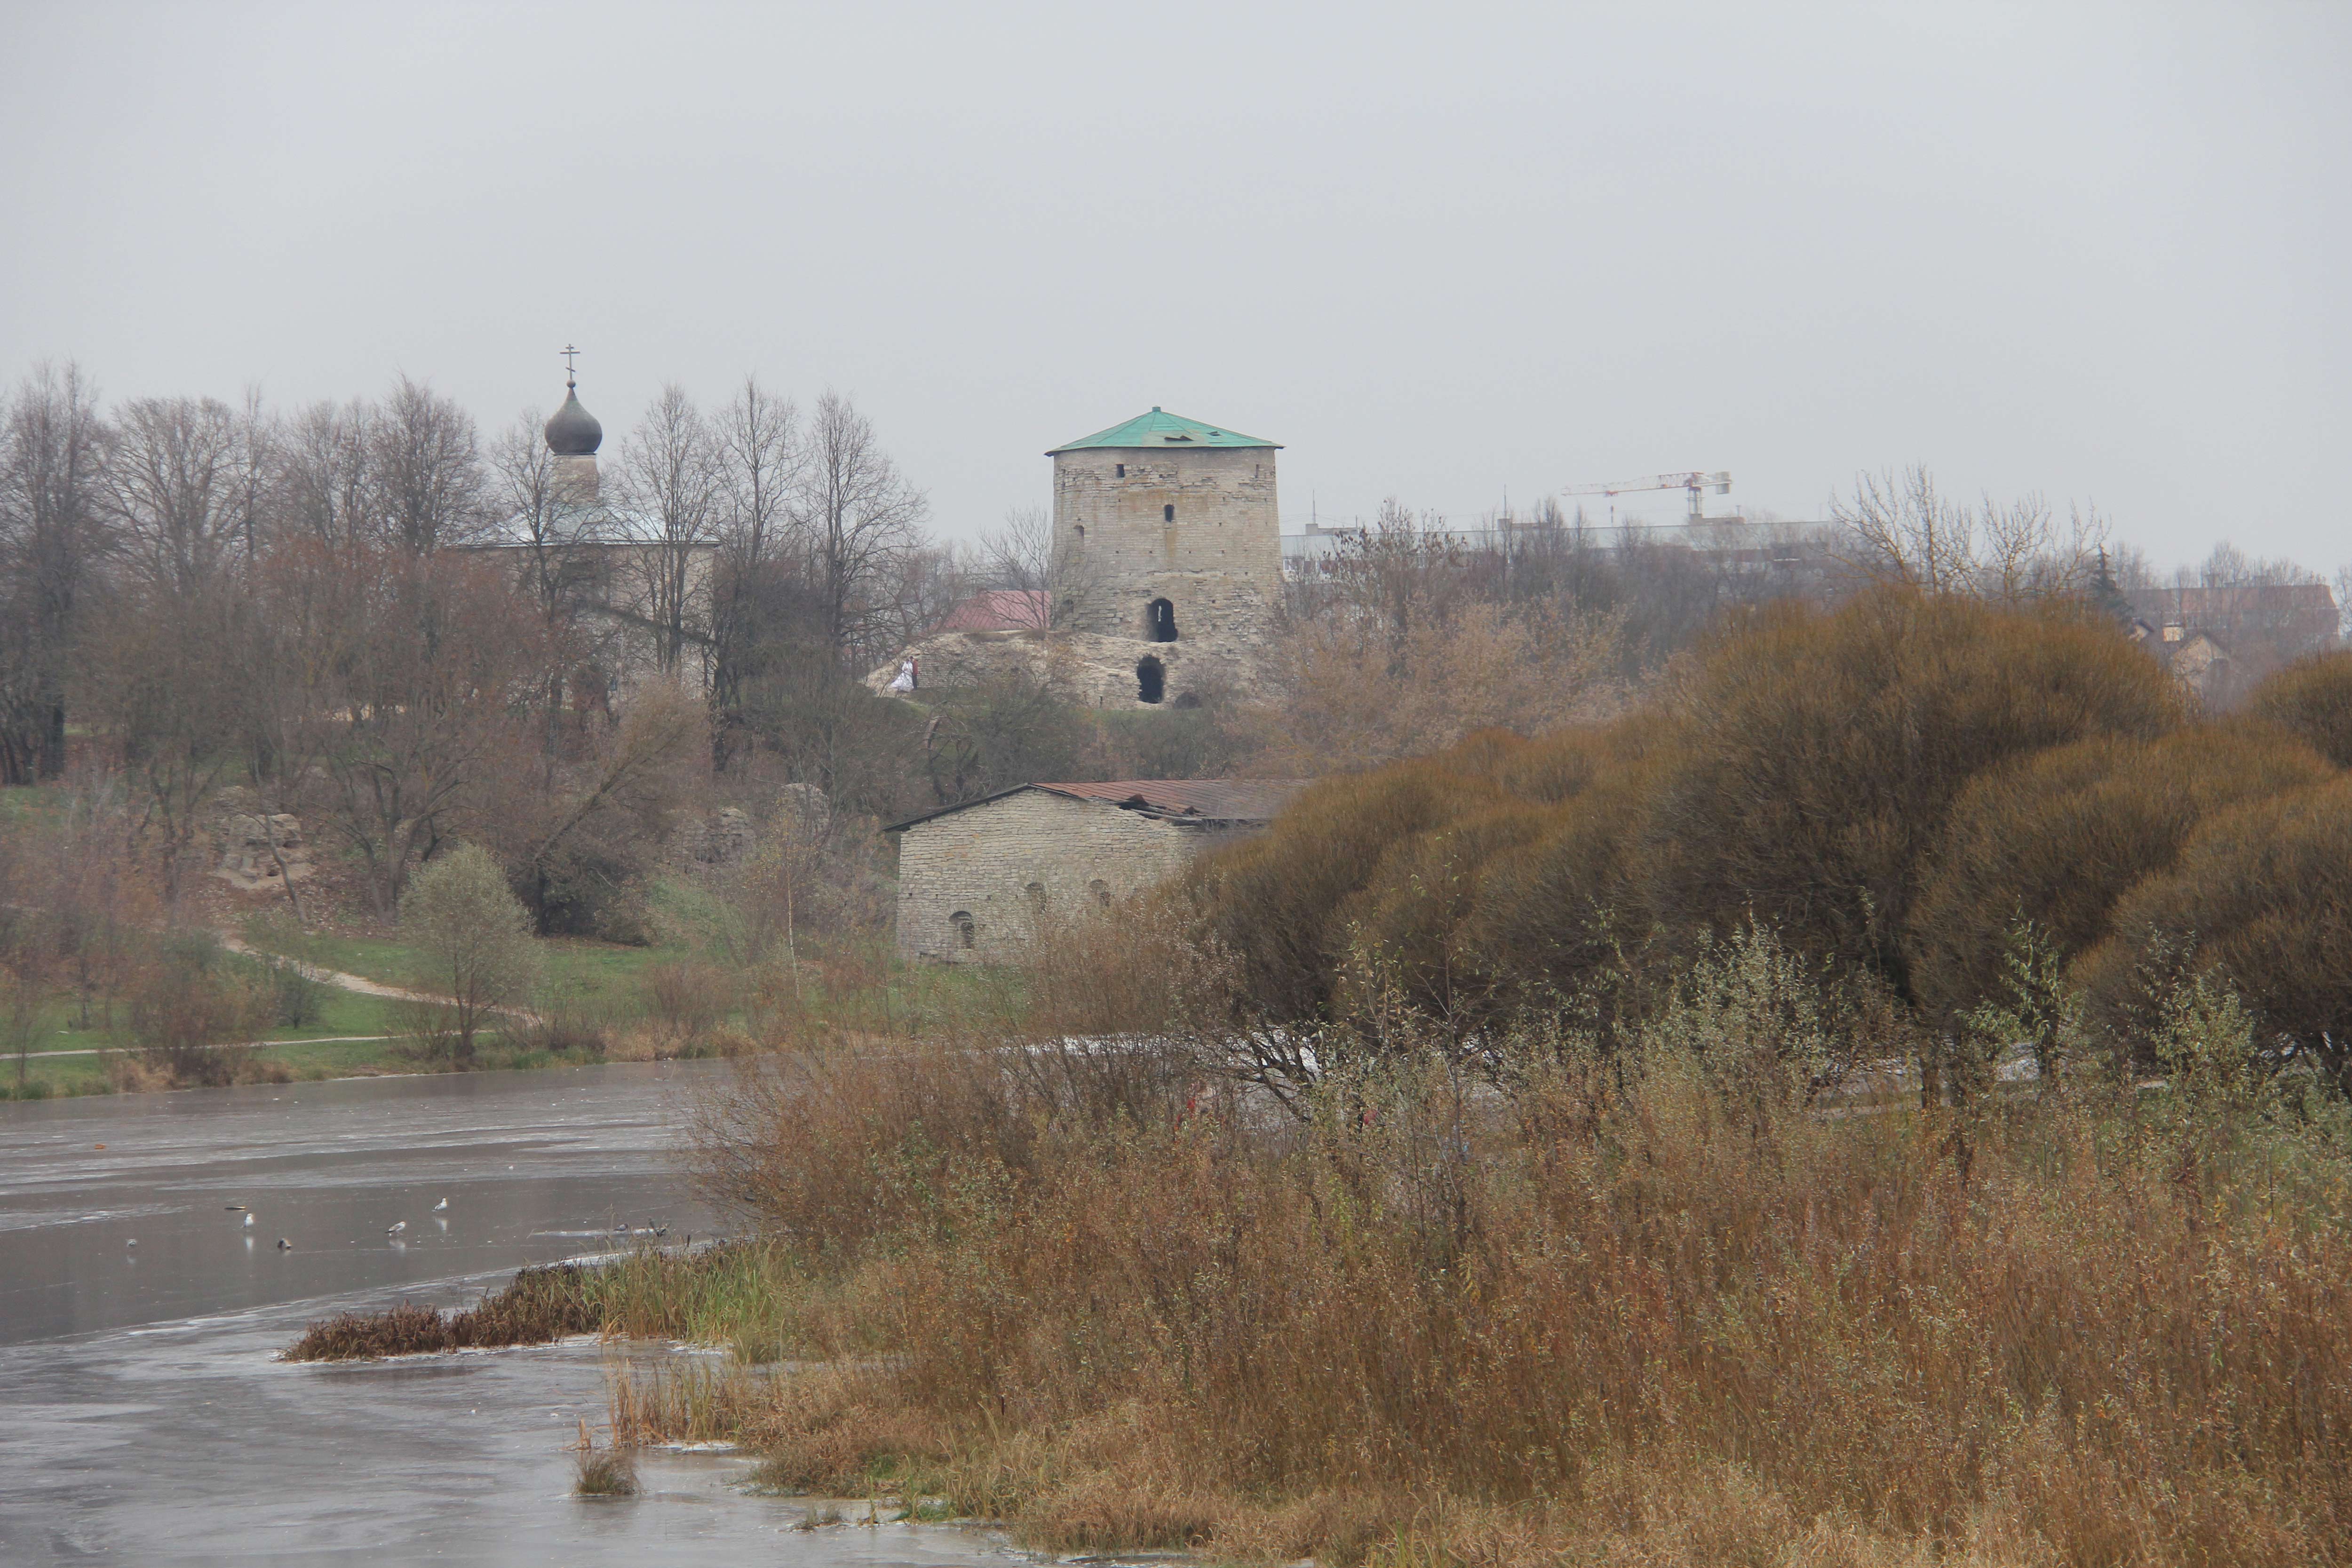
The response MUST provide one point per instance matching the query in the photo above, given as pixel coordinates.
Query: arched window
(1150, 679)
(1167, 512)
(1160, 621)
(1100, 890)
(1082, 533)
(966, 931)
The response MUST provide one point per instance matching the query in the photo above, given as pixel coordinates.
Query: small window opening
(1122, 470)
(965, 930)
(1160, 621)
(1167, 512)
(1150, 679)
(1100, 892)
(1082, 533)
(1036, 894)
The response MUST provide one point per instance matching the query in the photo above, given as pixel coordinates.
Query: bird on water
(284, 1245)
(441, 1206)
(396, 1229)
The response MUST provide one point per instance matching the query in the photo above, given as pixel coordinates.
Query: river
(143, 1417)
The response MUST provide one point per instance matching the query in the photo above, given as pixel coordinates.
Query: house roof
(1001, 610)
(1196, 801)
(1161, 429)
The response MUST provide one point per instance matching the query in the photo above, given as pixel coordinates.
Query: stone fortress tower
(1167, 538)
(1167, 566)
(1166, 529)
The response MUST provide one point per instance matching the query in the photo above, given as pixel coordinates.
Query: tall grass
(1656, 1305)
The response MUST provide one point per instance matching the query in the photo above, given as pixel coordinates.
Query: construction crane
(1696, 484)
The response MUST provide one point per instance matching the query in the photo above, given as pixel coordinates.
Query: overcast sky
(1441, 252)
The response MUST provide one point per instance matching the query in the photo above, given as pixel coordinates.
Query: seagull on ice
(441, 1206)
(284, 1245)
(396, 1229)
(248, 1219)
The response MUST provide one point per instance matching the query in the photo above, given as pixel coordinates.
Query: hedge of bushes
(1905, 788)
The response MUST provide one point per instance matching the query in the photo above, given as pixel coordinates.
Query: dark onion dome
(573, 432)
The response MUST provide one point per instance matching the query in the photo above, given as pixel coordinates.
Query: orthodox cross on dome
(570, 353)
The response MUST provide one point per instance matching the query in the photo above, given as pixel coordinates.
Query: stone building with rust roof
(976, 880)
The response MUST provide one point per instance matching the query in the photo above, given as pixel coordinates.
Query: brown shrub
(1405, 926)
(683, 1003)
(187, 1002)
(1569, 914)
(2311, 698)
(2055, 838)
(540, 1305)
(2258, 898)
(1639, 1314)
(1275, 902)
(1821, 752)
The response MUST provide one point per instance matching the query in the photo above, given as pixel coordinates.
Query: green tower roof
(1157, 428)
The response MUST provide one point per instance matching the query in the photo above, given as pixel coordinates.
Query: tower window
(1122, 470)
(965, 930)
(1082, 533)
(1160, 621)
(1150, 679)
(1101, 891)
(1168, 513)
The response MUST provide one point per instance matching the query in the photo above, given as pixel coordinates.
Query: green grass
(589, 971)
(339, 1012)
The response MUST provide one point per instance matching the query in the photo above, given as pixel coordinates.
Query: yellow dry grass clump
(1667, 1305)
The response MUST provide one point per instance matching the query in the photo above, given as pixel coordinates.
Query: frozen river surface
(143, 1417)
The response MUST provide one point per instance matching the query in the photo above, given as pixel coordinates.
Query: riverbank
(144, 1418)
(1653, 1309)
(358, 1014)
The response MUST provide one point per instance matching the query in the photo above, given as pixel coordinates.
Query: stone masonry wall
(1219, 562)
(984, 859)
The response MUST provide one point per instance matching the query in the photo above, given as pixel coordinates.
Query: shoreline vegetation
(1883, 1103)
(1660, 1305)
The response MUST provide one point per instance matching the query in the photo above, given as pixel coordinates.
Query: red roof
(1001, 610)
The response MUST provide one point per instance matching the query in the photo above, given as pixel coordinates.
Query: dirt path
(334, 977)
(361, 983)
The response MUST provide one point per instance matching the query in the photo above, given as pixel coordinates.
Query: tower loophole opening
(1150, 679)
(1160, 621)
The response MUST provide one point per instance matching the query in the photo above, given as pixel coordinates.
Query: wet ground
(144, 1419)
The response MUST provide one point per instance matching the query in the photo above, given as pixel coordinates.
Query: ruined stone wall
(1218, 561)
(984, 859)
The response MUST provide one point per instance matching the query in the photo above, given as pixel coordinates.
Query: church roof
(1161, 429)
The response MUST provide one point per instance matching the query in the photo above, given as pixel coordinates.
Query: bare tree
(1901, 528)
(404, 679)
(759, 462)
(172, 471)
(859, 518)
(671, 476)
(52, 541)
(1022, 556)
(325, 474)
(427, 472)
(173, 679)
